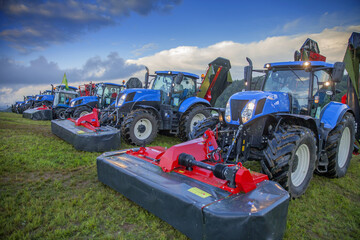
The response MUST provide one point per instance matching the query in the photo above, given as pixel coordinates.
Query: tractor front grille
(236, 106)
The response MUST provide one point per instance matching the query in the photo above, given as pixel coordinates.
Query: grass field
(49, 190)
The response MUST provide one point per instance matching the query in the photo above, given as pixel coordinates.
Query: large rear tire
(189, 119)
(139, 127)
(200, 128)
(290, 158)
(339, 146)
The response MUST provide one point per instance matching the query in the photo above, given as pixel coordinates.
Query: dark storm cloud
(41, 71)
(33, 25)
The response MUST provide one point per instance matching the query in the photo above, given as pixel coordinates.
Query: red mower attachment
(86, 134)
(90, 121)
(190, 187)
(40, 113)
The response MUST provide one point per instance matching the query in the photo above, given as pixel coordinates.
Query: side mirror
(179, 78)
(338, 72)
(248, 77)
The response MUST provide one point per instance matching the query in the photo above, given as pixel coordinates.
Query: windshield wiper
(296, 74)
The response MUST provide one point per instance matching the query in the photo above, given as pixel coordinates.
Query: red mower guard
(86, 134)
(202, 199)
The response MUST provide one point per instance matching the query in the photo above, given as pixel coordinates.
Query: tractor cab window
(294, 82)
(181, 91)
(321, 89)
(110, 94)
(63, 98)
(163, 83)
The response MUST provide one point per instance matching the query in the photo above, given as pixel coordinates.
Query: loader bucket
(197, 209)
(38, 114)
(106, 138)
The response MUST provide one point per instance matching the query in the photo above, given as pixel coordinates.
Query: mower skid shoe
(35, 114)
(84, 139)
(198, 210)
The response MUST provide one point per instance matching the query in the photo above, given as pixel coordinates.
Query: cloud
(33, 25)
(144, 48)
(41, 71)
(332, 43)
(290, 25)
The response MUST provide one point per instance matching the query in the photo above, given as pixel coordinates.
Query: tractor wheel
(139, 127)
(81, 111)
(339, 146)
(289, 158)
(200, 128)
(189, 119)
(60, 113)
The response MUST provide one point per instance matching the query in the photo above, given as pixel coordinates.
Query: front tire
(190, 119)
(200, 128)
(139, 127)
(290, 158)
(81, 111)
(339, 146)
(60, 113)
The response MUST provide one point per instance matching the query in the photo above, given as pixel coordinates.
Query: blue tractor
(47, 97)
(62, 99)
(291, 125)
(170, 105)
(105, 95)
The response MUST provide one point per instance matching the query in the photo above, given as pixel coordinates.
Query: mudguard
(189, 102)
(332, 113)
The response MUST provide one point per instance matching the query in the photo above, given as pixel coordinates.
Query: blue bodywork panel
(49, 98)
(85, 100)
(176, 72)
(300, 63)
(113, 84)
(142, 95)
(275, 102)
(187, 103)
(331, 114)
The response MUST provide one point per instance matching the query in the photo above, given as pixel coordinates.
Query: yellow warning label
(199, 192)
(80, 132)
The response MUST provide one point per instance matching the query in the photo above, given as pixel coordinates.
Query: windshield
(99, 90)
(63, 98)
(295, 82)
(163, 82)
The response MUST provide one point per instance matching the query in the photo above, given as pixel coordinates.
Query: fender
(189, 102)
(148, 107)
(332, 113)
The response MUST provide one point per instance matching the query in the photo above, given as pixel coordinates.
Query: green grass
(49, 190)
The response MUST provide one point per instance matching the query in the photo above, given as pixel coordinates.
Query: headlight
(248, 111)
(121, 100)
(37, 98)
(72, 104)
(227, 112)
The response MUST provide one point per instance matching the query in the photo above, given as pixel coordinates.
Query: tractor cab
(310, 85)
(107, 93)
(63, 87)
(62, 98)
(175, 87)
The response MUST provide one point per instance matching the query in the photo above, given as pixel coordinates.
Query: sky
(113, 40)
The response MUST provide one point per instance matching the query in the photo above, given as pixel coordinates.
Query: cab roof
(300, 63)
(113, 84)
(177, 72)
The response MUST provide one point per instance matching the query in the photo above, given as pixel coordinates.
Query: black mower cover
(35, 114)
(198, 210)
(106, 139)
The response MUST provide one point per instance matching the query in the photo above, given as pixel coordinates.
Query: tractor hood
(136, 95)
(80, 100)
(49, 98)
(250, 105)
